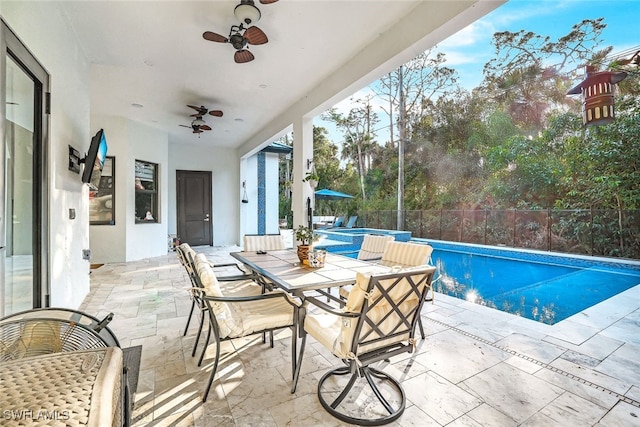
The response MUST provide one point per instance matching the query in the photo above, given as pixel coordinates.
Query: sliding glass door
(22, 158)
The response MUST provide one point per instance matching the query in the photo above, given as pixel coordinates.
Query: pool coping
(535, 255)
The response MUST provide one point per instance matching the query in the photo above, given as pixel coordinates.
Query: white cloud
(478, 32)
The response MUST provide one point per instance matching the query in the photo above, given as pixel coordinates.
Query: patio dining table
(283, 269)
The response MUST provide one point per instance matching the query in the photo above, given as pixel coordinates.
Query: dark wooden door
(194, 207)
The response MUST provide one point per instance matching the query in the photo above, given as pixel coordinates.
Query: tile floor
(476, 367)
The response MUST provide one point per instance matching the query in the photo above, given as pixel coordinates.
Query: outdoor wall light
(309, 163)
(597, 95)
(245, 199)
(247, 12)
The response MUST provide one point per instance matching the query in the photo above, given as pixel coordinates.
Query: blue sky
(468, 50)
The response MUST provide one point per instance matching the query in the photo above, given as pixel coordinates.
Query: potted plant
(306, 237)
(312, 178)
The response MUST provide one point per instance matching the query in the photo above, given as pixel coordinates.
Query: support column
(302, 155)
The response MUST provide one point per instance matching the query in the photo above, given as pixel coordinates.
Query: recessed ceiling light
(135, 105)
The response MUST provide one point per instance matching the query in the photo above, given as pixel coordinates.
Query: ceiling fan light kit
(247, 12)
(198, 124)
(244, 34)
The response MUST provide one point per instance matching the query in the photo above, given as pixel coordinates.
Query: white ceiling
(319, 51)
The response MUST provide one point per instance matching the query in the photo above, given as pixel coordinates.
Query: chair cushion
(207, 276)
(406, 254)
(265, 242)
(255, 316)
(337, 333)
(237, 319)
(373, 246)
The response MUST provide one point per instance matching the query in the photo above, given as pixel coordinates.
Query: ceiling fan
(202, 110)
(240, 37)
(198, 124)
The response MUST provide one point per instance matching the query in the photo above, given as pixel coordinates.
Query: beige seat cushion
(373, 246)
(266, 242)
(406, 254)
(237, 319)
(336, 333)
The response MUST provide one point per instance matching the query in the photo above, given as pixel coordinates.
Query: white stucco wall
(129, 141)
(225, 198)
(44, 30)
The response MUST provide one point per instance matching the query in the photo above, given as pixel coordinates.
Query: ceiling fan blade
(242, 56)
(205, 127)
(268, 1)
(217, 113)
(255, 35)
(185, 126)
(197, 131)
(202, 110)
(214, 37)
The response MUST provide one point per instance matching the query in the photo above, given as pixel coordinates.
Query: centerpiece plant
(306, 236)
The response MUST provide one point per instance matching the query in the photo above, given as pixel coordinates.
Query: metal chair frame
(360, 365)
(187, 262)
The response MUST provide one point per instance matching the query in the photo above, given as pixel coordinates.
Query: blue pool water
(545, 292)
(541, 286)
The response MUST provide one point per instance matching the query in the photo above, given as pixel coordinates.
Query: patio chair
(378, 322)
(239, 316)
(352, 221)
(263, 242)
(371, 249)
(236, 288)
(373, 246)
(407, 254)
(186, 254)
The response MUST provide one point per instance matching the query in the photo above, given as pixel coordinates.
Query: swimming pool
(542, 286)
(537, 285)
(349, 240)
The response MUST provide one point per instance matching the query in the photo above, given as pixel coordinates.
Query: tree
(406, 90)
(521, 78)
(359, 135)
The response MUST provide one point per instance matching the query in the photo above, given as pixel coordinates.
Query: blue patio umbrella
(327, 194)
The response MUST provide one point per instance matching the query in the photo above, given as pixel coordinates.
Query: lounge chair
(378, 322)
(338, 222)
(352, 221)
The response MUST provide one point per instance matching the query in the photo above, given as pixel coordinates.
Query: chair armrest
(289, 299)
(329, 308)
(228, 264)
(235, 278)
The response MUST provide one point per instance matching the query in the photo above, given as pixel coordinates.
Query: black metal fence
(609, 233)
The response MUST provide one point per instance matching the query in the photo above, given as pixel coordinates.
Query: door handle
(206, 217)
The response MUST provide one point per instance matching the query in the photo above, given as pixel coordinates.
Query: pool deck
(476, 367)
